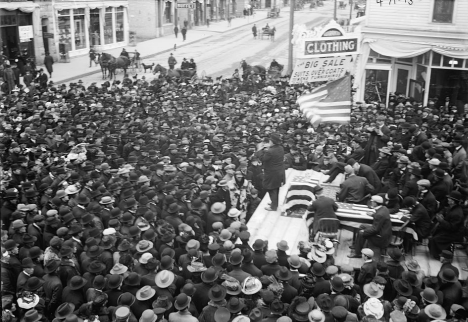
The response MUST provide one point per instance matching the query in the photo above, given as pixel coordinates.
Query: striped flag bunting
(330, 103)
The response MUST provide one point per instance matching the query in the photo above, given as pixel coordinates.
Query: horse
(174, 73)
(104, 66)
(247, 69)
(113, 63)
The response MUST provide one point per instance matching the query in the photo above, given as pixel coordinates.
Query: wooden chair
(329, 228)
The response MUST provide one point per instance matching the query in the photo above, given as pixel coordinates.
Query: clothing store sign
(338, 46)
(186, 6)
(320, 69)
(25, 33)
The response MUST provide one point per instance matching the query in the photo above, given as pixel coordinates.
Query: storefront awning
(91, 4)
(24, 6)
(406, 49)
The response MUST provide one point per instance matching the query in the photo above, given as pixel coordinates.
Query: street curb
(152, 55)
(143, 57)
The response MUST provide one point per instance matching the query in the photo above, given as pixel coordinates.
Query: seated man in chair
(354, 189)
(379, 234)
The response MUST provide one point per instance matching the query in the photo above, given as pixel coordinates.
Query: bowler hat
(182, 301)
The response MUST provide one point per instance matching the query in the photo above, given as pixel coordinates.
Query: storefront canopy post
(427, 84)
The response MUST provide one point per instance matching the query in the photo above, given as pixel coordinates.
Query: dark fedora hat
(133, 279)
(51, 266)
(235, 305)
(217, 293)
(209, 276)
(126, 299)
(96, 267)
(33, 284)
(283, 274)
(32, 316)
(114, 281)
(64, 310)
(94, 251)
(77, 282)
(403, 287)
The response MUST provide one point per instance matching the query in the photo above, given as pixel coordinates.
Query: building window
(168, 12)
(64, 29)
(119, 24)
(79, 23)
(376, 85)
(94, 27)
(443, 11)
(108, 29)
(376, 58)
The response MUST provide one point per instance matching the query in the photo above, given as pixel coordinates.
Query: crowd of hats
(96, 179)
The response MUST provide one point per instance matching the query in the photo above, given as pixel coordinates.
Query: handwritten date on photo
(410, 2)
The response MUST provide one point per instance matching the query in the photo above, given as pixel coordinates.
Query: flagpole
(291, 26)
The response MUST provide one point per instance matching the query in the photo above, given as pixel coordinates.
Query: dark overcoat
(380, 232)
(273, 166)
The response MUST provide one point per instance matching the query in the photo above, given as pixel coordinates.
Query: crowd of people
(130, 202)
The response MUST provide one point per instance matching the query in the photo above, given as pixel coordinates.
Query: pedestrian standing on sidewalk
(184, 32)
(229, 21)
(92, 57)
(48, 62)
(176, 31)
(208, 23)
(185, 23)
(171, 61)
(254, 31)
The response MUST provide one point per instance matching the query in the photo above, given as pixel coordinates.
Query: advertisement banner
(25, 33)
(320, 69)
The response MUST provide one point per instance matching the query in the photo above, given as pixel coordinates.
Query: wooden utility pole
(335, 11)
(291, 26)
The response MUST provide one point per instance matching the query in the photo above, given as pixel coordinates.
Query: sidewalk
(79, 66)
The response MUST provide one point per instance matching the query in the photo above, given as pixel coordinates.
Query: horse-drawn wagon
(268, 33)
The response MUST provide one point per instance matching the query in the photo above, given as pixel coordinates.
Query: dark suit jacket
(367, 172)
(421, 220)
(270, 269)
(200, 298)
(259, 259)
(321, 208)
(73, 296)
(53, 291)
(273, 166)
(252, 269)
(282, 258)
(354, 189)
(380, 232)
(322, 286)
(430, 202)
(367, 273)
(289, 293)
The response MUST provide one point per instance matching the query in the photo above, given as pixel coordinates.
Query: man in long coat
(322, 208)
(272, 157)
(379, 136)
(379, 234)
(48, 62)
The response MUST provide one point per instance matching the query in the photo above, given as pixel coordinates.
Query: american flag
(328, 104)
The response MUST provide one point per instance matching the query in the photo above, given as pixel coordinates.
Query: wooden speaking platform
(275, 226)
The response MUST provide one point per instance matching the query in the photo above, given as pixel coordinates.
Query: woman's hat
(373, 290)
(435, 312)
(413, 265)
(182, 301)
(317, 255)
(232, 285)
(403, 287)
(251, 285)
(161, 304)
(164, 278)
(373, 307)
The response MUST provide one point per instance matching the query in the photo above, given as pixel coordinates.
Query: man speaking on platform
(272, 156)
